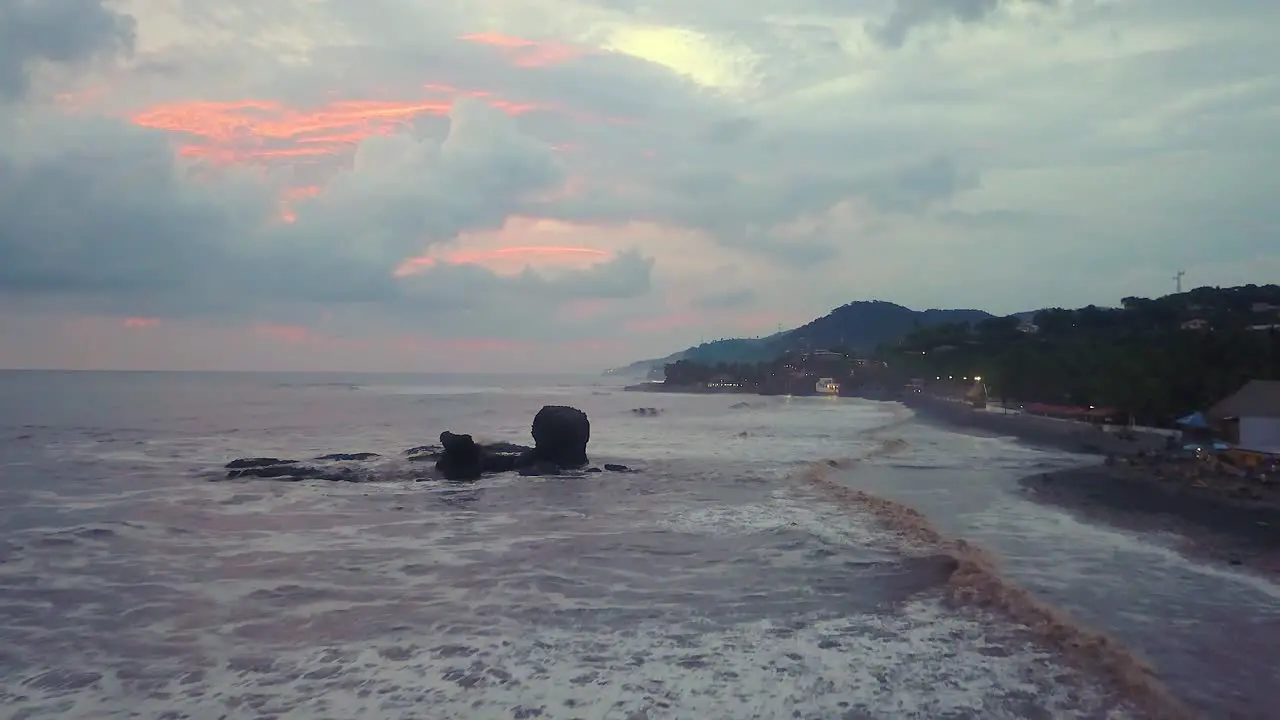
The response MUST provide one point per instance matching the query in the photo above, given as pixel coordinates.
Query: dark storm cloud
(56, 31)
(99, 209)
(103, 211)
(907, 15)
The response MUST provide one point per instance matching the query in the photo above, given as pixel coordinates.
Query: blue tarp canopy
(1194, 420)
(1217, 445)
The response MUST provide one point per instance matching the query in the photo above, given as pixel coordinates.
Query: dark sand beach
(1213, 513)
(1233, 520)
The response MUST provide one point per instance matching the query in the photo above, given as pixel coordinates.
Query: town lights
(977, 378)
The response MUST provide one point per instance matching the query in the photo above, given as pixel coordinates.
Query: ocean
(805, 558)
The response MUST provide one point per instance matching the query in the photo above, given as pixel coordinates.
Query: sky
(565, 185)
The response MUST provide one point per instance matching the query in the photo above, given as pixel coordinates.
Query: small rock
(349, 456)
(613, 467)
(257, 462)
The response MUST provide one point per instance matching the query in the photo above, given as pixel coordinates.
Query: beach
(1135, 485)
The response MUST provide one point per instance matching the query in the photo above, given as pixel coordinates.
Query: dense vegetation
(792, 373)
(1138, 358)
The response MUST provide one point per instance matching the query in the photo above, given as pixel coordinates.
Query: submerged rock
(424, 452)
(257, 462)
(293, 470)
(349, 456)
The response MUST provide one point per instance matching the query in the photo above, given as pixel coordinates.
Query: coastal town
(1183, 362)
(1179, 396)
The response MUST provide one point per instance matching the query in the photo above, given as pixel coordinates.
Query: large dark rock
(460, 457)
(560, 437)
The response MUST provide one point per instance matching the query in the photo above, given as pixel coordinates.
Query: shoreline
(1214, 514)
(663, 388)
(1236, 524)
(1041, 432)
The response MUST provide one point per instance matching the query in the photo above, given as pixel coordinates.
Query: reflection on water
(1207, 629)
(710, 584)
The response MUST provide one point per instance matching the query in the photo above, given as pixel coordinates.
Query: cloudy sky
(537, 185)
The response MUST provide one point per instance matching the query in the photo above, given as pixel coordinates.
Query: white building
(1254, 410)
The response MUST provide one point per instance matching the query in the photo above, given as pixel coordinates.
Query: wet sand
(1232, 520)
(1050, 433)
(1213, 515)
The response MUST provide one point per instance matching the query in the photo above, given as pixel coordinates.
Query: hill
(1154, 359)
(859, 327)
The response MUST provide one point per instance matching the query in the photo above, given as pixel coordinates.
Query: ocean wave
(734, 577)
(978, 584)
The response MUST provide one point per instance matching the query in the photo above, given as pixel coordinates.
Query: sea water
(736, 574)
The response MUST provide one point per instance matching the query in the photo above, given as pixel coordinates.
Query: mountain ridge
(858, 326)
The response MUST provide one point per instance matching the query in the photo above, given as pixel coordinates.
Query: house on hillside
(1029, 328)
(1196, 324)
(1250, 418)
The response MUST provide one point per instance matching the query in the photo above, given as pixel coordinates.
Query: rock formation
(560, 436)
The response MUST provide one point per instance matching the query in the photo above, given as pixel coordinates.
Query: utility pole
(1177, 280)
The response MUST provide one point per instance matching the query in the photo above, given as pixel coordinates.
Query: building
(1196, 324)
(1251, 417)
(1029, 328)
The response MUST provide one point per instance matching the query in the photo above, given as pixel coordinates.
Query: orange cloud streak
(264, 130)
(140, 323)
(528, 53)
(502, 257)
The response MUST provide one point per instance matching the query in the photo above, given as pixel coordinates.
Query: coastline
(1214, 515)
(1047, 433)
(657, 387)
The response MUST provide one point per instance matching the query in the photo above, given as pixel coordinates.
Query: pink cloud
(285, 333)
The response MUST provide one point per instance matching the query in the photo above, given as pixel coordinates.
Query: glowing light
(690, 53)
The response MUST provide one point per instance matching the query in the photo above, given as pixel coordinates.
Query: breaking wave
(977, 582)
